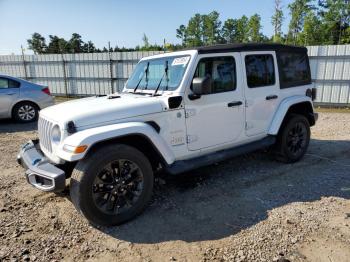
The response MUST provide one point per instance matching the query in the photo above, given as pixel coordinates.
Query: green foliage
(208, 29)
(326, 23)
(37, 43)
(335, 16)
(194, 31)
(145, 41)
(181, 33)
(57, 45)
(312, 33)
(312, 23)
(277, 21)
(211, 27)
(298, 10)
(254, 27)
(229, 30)
(242, 30)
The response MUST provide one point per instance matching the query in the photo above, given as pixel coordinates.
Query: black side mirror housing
(200, 86)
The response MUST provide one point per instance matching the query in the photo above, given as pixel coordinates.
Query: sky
(121, 22)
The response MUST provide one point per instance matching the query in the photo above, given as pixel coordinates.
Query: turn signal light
(75, 149)
(80, 149)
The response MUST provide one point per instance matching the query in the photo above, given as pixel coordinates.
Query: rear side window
(221, 70)
(294, 69)
(8, 83)
(260, 70)
(13, 84)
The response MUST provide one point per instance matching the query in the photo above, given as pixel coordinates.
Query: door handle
(234, 103)
(10, 94)
(271, 97)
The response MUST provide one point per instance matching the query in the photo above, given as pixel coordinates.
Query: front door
(8, 94)
(261, 90)
(217, 117)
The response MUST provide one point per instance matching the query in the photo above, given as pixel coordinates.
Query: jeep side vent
(174, 101)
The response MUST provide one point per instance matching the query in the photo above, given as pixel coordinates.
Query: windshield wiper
(145, 73)
(166, 69)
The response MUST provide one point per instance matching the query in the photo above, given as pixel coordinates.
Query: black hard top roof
(223, 48)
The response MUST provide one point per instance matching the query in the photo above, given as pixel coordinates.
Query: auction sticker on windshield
(181, 61)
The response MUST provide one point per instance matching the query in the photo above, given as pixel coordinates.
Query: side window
(221, 70)
(8, 83)
(4, 83)
(13, 84)
(260, 70)
(294, 69)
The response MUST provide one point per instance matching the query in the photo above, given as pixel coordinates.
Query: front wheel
(293, 139)
(112, 185)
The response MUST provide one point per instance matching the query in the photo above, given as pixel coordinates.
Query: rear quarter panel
(33, 93)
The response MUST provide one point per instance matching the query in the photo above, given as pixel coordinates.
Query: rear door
(261, 90)
(9, 92)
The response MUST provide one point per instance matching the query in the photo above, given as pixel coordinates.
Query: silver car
(22, 100)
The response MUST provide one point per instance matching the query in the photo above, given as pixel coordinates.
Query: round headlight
(56, 135)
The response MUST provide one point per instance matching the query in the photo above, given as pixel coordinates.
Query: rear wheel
(293, 139)
(25, 112)
(113, 185)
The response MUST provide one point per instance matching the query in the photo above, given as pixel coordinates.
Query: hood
(94, 111)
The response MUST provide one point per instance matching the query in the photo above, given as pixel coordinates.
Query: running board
(182, 166)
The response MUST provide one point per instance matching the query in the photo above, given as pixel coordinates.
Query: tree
(242, 29)
(229, 31)
(76, 43)
(37, 43)
(57, 45)
(145, 41)
(313, 30)
(194, 31)
(211, 26)
(181, 33)
(277, 21)
(336, 17)
(298, 10)
(346, 36)
(254, 27)
(89, 47)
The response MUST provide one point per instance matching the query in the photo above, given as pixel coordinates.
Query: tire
(25, 112)
(293, 139)
(106, 166)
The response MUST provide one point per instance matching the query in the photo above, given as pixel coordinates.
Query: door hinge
(191, 138)
(248, 125)
(190, 112)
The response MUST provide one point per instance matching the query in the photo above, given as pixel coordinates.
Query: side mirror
(200, 86)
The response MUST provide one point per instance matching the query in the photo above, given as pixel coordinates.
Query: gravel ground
(248, 209)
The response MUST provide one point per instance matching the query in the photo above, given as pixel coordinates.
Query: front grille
(44, 130)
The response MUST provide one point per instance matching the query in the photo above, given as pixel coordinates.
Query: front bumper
(39, 171)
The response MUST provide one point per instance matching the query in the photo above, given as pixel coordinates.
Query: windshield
(150, 74)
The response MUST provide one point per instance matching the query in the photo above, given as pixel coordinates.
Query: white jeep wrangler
(178, 111)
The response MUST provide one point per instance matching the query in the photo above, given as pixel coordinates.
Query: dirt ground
(248, 209)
